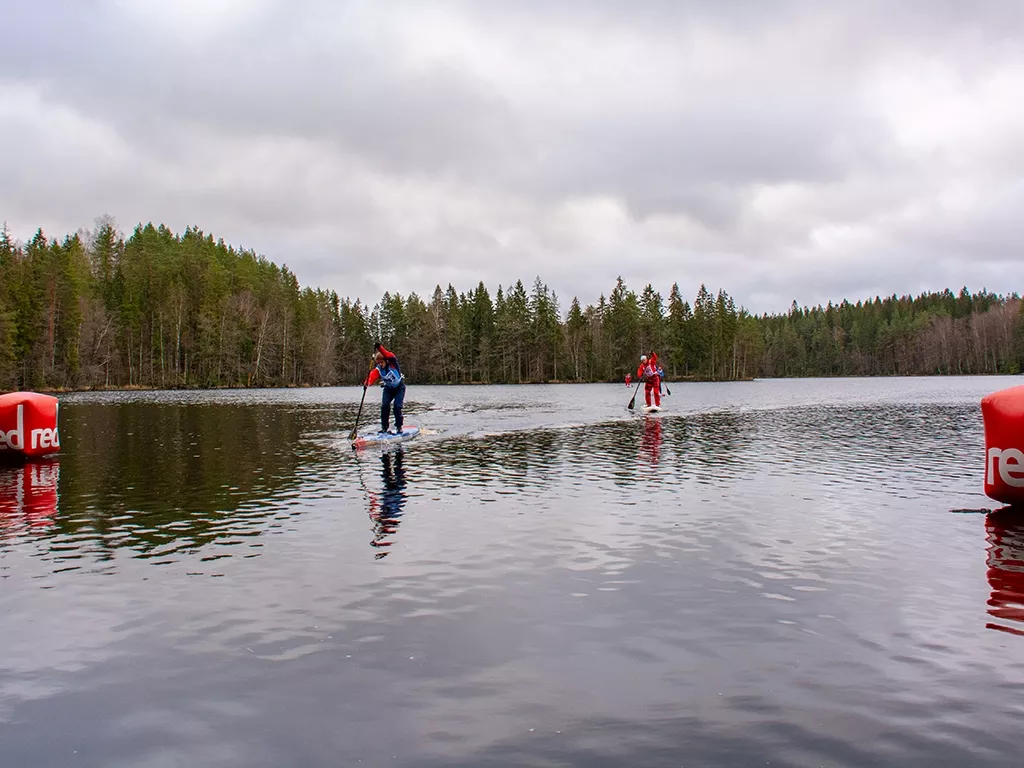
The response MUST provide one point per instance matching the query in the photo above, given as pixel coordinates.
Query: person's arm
(389, 356)
(372, 378)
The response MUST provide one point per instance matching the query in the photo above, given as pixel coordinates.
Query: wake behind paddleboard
(382, 438)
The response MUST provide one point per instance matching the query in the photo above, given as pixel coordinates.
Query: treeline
(159, 309)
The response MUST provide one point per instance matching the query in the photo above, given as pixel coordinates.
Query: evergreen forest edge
(163, 310)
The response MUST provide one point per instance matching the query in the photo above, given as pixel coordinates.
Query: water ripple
(766, 573)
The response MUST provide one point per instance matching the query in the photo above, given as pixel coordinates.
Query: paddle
(632, 400)
(355, 429)
(667, 390)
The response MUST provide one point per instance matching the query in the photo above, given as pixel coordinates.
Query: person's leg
(385, 409)
(647, 392)
(399, 400)
(657, 394)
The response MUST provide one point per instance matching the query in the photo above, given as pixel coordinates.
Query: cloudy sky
(778, 149)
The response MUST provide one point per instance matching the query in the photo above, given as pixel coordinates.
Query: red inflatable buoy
(1003, 414)
(28, 425)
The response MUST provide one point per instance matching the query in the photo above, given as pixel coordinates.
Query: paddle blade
(632, 402)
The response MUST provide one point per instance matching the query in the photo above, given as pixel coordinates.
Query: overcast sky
(780, 150)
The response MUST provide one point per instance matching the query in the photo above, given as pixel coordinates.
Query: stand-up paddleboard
(652, 408)
(384, 438)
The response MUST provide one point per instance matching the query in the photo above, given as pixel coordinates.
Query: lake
(784, 572)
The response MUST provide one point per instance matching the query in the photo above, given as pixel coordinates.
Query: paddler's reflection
(28, 496)
(650, 443)
(386, 507)
(1004, 529)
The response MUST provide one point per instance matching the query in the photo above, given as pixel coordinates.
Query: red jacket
(390, 359)
(648, 370)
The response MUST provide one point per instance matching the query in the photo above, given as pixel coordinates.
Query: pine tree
(576, 332)
(652, 321)
(545, 332)
(621, 327)
(677, 329)
(1019, 339)
(703, 331)
(9, 257)
(481, 332)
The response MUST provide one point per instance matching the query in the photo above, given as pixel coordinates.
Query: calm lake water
(785, 573)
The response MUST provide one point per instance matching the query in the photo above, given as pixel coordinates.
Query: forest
(167, 310)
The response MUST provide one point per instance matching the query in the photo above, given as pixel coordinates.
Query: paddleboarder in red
(648, 372)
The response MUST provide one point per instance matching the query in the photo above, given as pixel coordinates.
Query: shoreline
(677, 380)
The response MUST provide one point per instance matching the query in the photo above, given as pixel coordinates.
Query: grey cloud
(268, 79)
(374, 147)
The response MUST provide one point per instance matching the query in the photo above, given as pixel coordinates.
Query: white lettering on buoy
(1009, 464)
(45, 438)
(15, 439)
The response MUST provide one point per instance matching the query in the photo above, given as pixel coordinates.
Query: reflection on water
(650, 445)
(28, 496)
(1005, 534)
(386, 506)
(725, 586)
(168, 480)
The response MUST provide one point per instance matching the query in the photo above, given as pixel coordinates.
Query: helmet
(643, 358)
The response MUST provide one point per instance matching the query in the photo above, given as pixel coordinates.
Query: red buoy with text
(1003, 414)
(28, 425)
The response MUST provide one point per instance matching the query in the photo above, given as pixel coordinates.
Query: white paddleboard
(380, 438)
(652, 408)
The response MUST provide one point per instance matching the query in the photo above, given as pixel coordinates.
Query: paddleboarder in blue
(392, 382)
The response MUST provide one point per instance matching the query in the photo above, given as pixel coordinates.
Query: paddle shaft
(355, 429)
